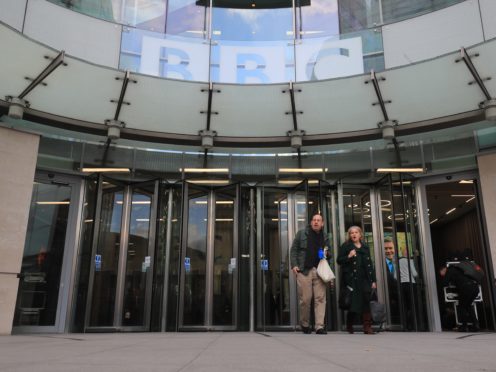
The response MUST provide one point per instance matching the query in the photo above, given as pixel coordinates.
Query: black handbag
(377, 310)
(345, 297)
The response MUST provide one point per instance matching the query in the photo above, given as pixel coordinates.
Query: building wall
(18, 154)
(487, 172)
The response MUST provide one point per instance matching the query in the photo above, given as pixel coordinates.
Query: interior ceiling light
(209, 182)
(53, 202)
(461, 196)
(451, 210)
(295, 182)
(434, 221)
(302, 170)
(105, 170)
(469, 200)
(466, 181)
(400, 170)
(204, 170)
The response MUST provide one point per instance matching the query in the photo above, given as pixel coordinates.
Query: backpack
(472, 270)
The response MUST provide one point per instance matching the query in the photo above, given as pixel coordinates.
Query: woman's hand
(352, 253)
(295, 270)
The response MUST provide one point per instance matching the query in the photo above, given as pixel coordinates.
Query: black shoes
(321, 331)
(306, 330)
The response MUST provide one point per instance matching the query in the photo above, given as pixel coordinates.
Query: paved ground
(229, 351)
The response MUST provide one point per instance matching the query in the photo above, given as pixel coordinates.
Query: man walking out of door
(309, 246)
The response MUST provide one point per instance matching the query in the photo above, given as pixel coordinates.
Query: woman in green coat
(358, 273)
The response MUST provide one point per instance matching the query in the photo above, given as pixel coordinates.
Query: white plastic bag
(324, 271)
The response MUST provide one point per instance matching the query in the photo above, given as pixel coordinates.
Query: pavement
(239, 351)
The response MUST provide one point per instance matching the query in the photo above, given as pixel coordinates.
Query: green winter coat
(357, 272)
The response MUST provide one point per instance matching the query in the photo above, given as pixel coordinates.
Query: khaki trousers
(311, 285)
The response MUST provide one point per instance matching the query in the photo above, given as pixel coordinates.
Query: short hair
(354, 227)
(318, 214)
(388, 240)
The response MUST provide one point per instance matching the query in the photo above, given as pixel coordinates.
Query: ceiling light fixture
(105, 170)
(466, 181)
(302, 170)
(209, 182)
(451, 210)
(295, 182)
(400, 170)
(469, 200)
(204, 170)
(53, 202)
(461, 196)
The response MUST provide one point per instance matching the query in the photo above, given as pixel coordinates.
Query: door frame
(65, 297)
(127, 189)
(434, 316)
(211, 196)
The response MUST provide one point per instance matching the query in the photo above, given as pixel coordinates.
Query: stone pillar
(487, 173)
(18, 154)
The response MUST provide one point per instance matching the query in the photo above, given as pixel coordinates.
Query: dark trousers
(466, 296)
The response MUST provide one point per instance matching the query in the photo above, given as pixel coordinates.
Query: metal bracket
(209, 111)
(375, 82)
(125, 81)
(465, 57)
(56, 62)
(293, 111)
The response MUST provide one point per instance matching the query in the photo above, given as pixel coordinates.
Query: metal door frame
(69, 260)
(211, 194)
(127, 190)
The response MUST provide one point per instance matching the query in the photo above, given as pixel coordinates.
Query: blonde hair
(348, 238)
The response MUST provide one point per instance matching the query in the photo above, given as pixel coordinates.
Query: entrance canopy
(443, 92)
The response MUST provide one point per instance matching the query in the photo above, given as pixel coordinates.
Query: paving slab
(244, 351)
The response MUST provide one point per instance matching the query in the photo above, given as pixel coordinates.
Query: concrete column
(18, 154)
(487, 173)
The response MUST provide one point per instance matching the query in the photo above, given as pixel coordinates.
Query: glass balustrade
(261, 42)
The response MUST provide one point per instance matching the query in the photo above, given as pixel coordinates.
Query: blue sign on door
(264, 265)
(98, 262)
(187, 264)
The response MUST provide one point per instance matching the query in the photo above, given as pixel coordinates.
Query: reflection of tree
(96, 8)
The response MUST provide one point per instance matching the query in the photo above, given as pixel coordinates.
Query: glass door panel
(106, 258)
(410, 258)
(273, 288)
(225, 259)
(195, 259)
(138, 259)
(38, 294)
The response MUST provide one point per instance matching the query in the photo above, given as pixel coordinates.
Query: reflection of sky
(140, 216)
(197, 225)
(249, 24)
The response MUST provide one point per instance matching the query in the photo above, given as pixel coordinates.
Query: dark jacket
(299, 249)
(358, 273)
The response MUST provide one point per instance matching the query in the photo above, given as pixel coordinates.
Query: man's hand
(295, 270)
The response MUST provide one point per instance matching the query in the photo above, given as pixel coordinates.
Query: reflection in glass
(185, 18)
(317, 18)
(108, 250)
(275, 291)
(195, 262)
(84, 259)
(43, 253)
(224, 267)
(138, 260)
(174, 259)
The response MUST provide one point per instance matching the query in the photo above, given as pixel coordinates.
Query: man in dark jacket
(309, 246)
(467, 289)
